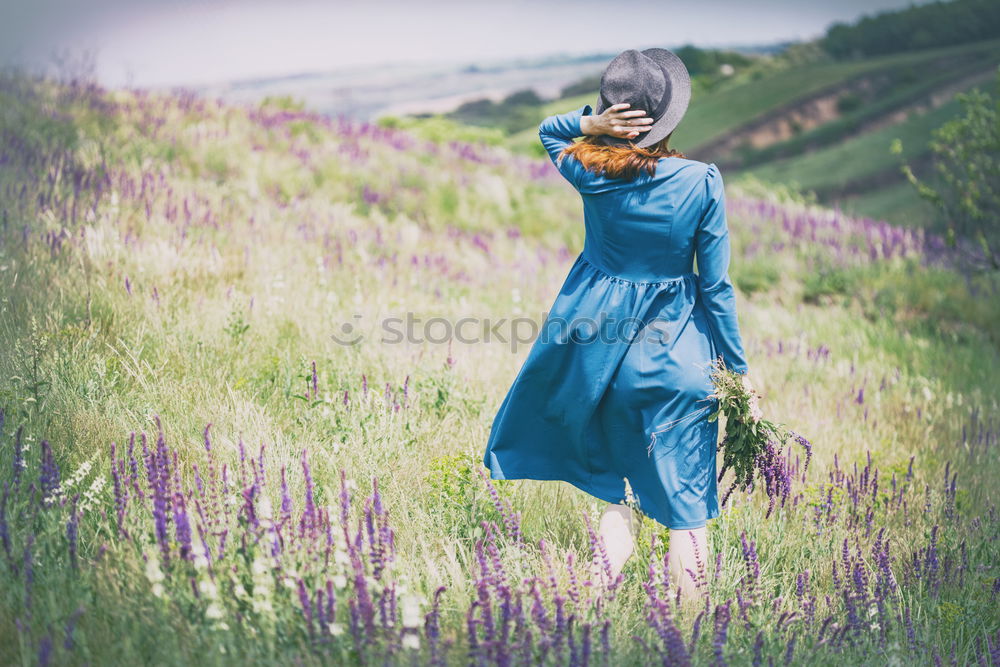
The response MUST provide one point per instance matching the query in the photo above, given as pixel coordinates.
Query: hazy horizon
(181, 42)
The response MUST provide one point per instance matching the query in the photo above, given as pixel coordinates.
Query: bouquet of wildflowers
(752, 445)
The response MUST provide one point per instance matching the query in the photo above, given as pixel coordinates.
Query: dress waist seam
(611, 276)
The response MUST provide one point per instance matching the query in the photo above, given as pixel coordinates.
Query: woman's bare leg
(688, 554)
(616, 529)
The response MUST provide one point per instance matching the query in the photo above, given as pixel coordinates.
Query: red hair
(624, 161)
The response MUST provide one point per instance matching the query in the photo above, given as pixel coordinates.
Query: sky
(150, 43)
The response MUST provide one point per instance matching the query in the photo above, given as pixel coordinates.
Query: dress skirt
(616, 387)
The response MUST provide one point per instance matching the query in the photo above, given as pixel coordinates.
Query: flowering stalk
(752, 445)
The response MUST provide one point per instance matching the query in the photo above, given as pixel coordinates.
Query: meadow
(213, 452)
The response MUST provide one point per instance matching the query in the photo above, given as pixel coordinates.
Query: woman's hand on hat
(617, 121)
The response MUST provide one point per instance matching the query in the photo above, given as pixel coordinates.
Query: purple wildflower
(722, 617)
(48, 478)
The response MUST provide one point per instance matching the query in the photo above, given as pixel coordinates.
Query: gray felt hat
(654, 80)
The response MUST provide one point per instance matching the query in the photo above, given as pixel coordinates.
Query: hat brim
(680, 97)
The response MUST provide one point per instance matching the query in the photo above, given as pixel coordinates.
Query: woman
(613, 394)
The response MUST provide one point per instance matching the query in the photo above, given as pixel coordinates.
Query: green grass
(895, 203)
(839, 129)
(848, 165)
(852, 160)
(217, 319)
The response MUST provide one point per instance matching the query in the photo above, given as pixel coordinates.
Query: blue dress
(615, 385)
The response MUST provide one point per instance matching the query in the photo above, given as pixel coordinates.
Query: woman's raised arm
(558, 131)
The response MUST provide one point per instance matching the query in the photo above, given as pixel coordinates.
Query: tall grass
(195, 469)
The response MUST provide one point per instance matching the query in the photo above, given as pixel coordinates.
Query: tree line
(918, 27)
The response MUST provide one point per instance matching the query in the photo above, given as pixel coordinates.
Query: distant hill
(825, 124)
(367, 93)
(929, 25)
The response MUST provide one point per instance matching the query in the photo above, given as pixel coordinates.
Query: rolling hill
(826, 126)
(214, 452)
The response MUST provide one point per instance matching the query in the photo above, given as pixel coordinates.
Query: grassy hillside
(794, 124)
(858, 158)
(861, 173)
(906, 75)
(765, 90)
(216, 448)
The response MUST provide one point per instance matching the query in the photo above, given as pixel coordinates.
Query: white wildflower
(411, 612)
(200, 556)
(78, 475)
(153, 571)
(264, 510)
(263, 586)
(259, 567)
(336, 629)
(92, 495)
(629, 495)
(409, 233)
(214, 611)
(262, 606)
(208, 588)
(411, 641)
(54, 497)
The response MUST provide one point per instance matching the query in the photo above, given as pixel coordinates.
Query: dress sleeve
(716, 288)
(557, 132)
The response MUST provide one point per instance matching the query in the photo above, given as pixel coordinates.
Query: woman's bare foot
(686, 563)
(615, 531)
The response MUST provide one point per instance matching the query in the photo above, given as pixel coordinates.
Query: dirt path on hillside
(936, 99)
(819, 108)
